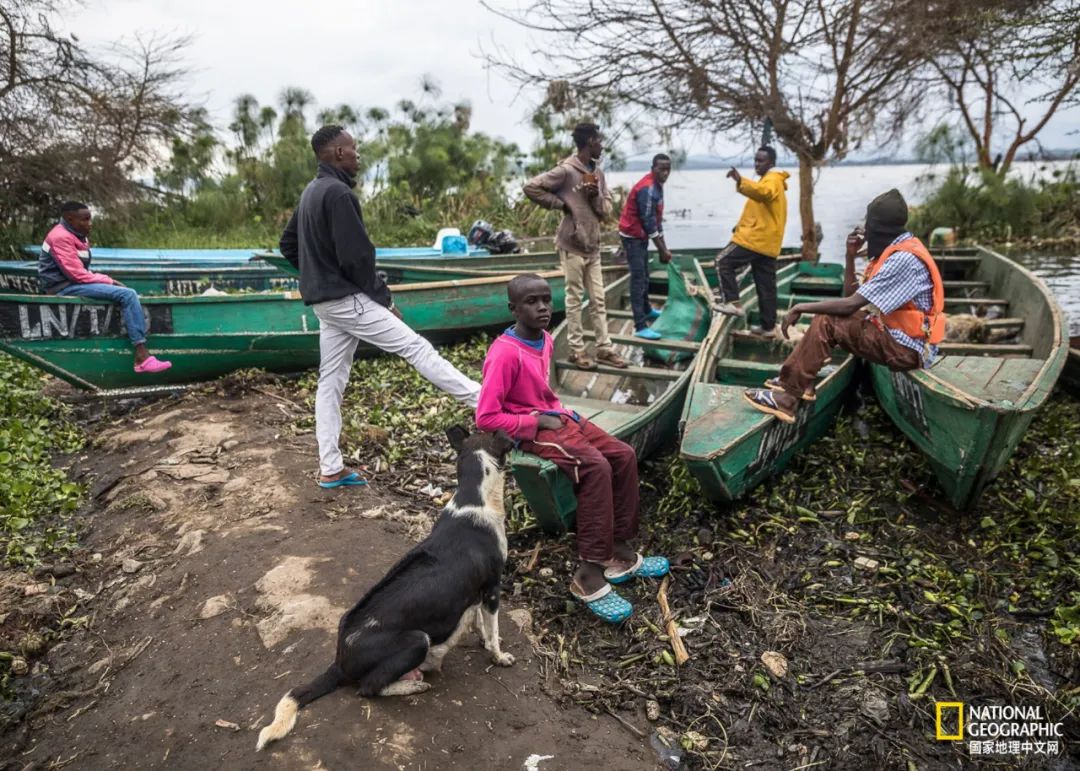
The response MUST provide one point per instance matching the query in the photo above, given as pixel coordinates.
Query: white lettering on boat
(909, 401)
(780, 437)
(53, 319)
(41, 321)
(27, 284)
(26, 331)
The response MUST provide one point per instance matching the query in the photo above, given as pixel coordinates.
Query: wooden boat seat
(995, 379)
(978, 301)
(647, 373)
(591, 407)
(1005, 323)
(986, 349)
(670, 345)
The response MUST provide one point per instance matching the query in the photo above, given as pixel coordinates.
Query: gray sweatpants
(343, 324)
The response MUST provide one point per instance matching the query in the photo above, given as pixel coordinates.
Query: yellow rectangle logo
(939, 711)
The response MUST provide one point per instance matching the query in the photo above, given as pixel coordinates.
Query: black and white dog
(408, 621)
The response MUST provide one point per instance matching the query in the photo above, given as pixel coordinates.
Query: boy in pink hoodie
(515, 396)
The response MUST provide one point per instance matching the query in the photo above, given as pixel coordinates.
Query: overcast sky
(363, 53)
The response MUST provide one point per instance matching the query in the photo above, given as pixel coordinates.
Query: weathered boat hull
(165, 279)
(104, 255)
(528, 261)
(968, 413)
(728, 446)
(83, 342)
(255, 276)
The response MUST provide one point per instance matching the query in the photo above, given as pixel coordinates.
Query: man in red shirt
(643, 219)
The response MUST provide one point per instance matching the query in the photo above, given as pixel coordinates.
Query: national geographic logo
(992, 729)
(949, 721)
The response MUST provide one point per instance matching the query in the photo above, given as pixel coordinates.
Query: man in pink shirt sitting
(64, 270)
(515, 396)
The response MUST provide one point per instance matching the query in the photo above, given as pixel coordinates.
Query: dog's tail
(285, 713)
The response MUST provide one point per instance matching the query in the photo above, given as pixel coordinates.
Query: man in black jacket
(326, 239)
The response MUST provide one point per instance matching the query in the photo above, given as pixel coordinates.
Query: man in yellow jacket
(757, 238)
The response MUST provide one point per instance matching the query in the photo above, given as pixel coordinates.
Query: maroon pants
(605, 476)
(856, 334)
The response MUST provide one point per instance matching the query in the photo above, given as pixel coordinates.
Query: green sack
(686, 317)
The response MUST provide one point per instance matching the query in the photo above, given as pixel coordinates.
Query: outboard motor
(480, 233)
(503, 242)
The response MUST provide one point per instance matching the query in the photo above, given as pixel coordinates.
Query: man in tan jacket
(577, 188)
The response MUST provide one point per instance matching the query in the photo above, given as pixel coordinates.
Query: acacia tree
(828, 74)
(77, 124)
(1005, 68)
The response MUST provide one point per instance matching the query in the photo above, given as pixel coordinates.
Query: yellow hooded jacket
(761, 226)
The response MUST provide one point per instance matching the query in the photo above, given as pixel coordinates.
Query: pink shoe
(152, 364)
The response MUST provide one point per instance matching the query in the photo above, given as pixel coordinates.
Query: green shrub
(983, 205)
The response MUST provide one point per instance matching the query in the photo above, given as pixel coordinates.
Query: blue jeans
(128, 300)
(637, 256)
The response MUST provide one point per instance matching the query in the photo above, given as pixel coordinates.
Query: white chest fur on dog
(492, 514)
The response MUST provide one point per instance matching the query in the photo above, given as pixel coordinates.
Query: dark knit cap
(887, 213)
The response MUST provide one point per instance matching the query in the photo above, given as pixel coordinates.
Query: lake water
(842, 192)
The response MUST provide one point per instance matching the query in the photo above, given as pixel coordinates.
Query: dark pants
(856, 334)
(734, 258)
(605, 476)
(637, 257)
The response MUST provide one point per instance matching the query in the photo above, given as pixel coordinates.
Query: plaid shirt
(902, 278)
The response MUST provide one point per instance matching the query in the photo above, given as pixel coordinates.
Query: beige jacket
(579, 231)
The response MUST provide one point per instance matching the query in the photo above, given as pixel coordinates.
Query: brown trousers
(605, 476)
(856, 334)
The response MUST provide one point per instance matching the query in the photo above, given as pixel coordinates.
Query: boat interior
(736, 359)
(609, 395)
(1002, 328)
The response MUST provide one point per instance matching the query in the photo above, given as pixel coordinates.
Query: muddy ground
(211, 579)
(824, 616)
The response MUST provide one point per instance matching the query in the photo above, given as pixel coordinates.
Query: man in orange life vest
(902, 329)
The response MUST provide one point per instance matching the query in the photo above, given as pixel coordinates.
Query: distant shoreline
(698, 163)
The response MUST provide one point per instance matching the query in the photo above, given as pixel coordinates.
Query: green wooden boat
(165, 279)
(492, 262)
(969, 410)
(83, 342)
(640, 405)
(730, 447)
(528, 261)
(255, 276)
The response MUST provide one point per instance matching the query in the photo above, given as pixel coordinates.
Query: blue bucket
(455, 245)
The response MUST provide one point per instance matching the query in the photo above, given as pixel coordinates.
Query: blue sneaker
(647, 334)
(652, 315)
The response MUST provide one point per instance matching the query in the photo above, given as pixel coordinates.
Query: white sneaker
(729, 309)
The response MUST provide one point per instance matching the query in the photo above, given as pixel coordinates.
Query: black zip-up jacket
(326, 239)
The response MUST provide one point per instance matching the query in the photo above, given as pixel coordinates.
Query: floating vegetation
(35, 497)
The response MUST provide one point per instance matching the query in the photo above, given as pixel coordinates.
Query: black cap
(887, 213)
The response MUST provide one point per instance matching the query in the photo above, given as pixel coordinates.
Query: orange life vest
(921, 325)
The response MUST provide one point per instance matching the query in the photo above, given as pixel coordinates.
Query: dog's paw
(503, 659)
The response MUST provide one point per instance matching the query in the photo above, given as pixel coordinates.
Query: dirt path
(213, 577)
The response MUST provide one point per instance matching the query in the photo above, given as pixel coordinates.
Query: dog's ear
(457, 436)
(503, 442)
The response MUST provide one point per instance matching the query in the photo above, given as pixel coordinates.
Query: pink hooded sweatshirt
(514, 388)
